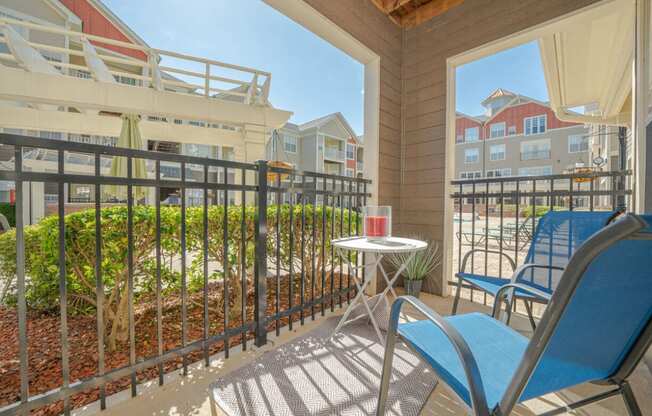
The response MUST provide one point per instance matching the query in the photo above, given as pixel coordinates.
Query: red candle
(376, 226)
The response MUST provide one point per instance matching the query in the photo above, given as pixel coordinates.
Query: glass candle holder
(377, 222)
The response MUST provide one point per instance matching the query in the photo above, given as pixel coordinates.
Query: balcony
(135, 307)
(535, 155)
(149, 86)
(333, 153)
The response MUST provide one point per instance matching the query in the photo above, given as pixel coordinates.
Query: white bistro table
(379, 248)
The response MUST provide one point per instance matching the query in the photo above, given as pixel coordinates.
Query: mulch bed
(44, 349)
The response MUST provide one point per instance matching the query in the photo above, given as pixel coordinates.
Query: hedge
(539, 211)
(42, 262)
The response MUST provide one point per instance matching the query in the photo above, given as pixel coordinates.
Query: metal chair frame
(628, 228)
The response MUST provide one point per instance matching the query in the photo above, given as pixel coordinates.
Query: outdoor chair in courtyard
(557, 235)
(596, 329)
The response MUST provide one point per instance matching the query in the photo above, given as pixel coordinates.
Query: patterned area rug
(313, 375)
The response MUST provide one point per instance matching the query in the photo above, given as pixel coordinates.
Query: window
(535, 150)
(535, 171)
(497, 152)
(535, 125)
(471, 175)
(472, 134)
(472, 155)
(511, 130)
(198, 150)
(273, 144)
(122, 79)
(578, 143)
(499, 173)
(349, 172)
(350, 151)
(290, 144)
(497, 130)
(227, 153)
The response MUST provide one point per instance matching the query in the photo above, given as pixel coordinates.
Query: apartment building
(327, 144)
(518, 136)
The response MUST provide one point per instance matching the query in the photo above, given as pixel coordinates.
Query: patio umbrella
(129, 138)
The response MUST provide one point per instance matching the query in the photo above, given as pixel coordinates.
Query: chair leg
(528, 308)
(457, 296)
(630, 400)
(390, 345)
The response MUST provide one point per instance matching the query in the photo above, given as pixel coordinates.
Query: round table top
(385, 246)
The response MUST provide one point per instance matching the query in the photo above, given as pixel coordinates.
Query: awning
(588, 63)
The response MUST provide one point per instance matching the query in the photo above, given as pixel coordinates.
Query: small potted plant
(422, 264)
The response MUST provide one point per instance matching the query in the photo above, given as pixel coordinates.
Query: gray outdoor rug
(315, 376)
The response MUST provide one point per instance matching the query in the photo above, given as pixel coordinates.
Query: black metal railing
(500, 214)
(257, 246)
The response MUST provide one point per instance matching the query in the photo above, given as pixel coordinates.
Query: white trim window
(497, 130)
(290, 144)
(474, 174)
(349, 172)
(578, 143)
(472, 134)
(499, 173)
(497, 152)
(535, 150)
(535, 171)
(535, 124)
(472, 155)
(350, 151)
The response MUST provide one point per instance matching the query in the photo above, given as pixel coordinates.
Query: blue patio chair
(557, 235)
(596, 329)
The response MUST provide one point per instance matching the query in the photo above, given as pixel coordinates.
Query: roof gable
(498, 93)
(99, 20)
(333, 123)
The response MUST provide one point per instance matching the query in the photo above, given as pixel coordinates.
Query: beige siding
(413, 73)
(426, 49)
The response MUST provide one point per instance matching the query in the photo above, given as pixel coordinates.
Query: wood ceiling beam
(410, 13)
(427, 11)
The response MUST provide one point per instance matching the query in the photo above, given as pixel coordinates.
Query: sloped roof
(500, 92)
(479, 119)
(318, 122)
(126, 30)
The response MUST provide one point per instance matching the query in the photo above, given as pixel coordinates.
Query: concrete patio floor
(190, 395)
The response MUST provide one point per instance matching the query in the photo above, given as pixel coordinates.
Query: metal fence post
(260, 272)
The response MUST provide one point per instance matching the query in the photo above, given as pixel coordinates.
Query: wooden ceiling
(410, 13)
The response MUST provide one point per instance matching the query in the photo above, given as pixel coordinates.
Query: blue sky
(309, 76)
(518, 70)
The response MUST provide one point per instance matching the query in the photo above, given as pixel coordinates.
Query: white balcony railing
(333, 153)
(217, 79)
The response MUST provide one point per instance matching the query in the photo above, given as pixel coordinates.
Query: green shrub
(42, 254)
(539, 211)
(9, 211)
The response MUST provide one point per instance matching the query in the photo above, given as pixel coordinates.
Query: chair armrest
(482, 250)
(527, 266)
(513, 287)
(476, 390)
